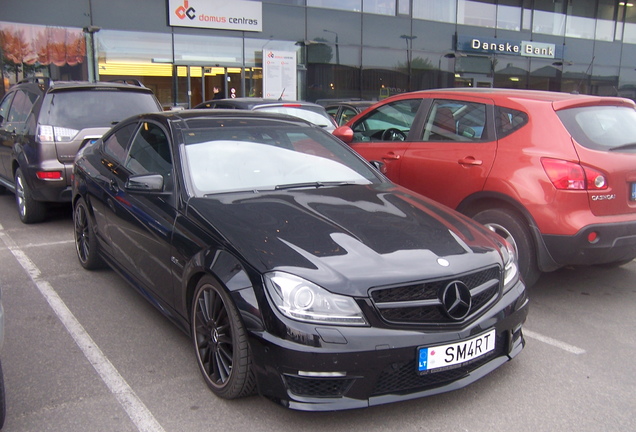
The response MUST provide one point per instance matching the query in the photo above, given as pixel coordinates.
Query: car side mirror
(345, 133)
(380, 166)
(145, 183)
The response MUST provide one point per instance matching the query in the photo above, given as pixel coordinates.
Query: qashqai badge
(457, 300)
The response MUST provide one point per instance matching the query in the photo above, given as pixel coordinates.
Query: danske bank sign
(480, 45)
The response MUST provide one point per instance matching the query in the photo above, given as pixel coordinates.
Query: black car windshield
(259, 158)
(609, 128)
(81, 109)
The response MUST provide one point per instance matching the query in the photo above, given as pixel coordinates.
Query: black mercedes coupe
(298, 270)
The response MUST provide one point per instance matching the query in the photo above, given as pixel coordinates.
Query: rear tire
(220, 342)
(512, 227)
(30, 210)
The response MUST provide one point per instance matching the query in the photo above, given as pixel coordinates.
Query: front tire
(220, 342)
(512, 227)
(85, 238)
(30, 210)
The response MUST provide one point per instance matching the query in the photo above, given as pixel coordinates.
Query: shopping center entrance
(196, 84)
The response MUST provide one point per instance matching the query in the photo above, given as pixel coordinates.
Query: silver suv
(42, 125)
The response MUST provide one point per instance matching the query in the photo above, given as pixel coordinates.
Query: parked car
(311, 112)
(44, 122)
(343, 111)
(299, 271)
(553, 173)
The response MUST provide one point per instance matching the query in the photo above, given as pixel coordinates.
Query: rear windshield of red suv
(609, 128)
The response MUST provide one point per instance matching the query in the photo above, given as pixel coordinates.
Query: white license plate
(633, 194)
(438, 358)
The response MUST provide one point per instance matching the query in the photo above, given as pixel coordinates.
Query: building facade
(189, 51)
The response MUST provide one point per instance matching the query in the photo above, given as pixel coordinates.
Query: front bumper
(336, 368)
(614, 243)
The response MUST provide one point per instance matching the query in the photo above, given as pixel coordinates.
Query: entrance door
(196, 84)
(474, 80)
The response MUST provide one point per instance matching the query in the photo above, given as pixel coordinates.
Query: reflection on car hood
(348, 238)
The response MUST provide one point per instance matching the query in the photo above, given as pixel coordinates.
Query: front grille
(318, 387)
(404, 378)
(421, 303)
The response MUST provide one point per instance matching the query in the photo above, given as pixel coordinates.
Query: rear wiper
(623, 147)
(312, 185)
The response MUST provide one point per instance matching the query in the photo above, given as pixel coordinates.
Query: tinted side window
(347, 114)
(508, 120)
(21, 107)
(396, 115)
(4, 107)
(450, 120)
(149, 152)
(116, 145)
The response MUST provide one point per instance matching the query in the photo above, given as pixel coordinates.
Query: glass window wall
(381, 7)
(509, 15)
(350, 5)
(325, 26)
(380, 31)
(404, 7)
(435, 10)
(480, 14)
(511, 72)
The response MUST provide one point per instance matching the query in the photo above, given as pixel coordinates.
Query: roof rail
(42, 81)
(131, 81)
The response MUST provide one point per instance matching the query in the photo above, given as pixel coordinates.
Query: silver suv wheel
(30, 210)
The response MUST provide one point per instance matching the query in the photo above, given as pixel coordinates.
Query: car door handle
(390, 156)
(469, 160)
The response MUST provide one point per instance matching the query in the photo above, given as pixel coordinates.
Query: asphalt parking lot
(85, 352)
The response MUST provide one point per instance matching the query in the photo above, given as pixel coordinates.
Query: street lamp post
(93, 64)
(409, 50)
(336, 43)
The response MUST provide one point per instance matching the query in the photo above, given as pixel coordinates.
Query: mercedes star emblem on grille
(457, 300)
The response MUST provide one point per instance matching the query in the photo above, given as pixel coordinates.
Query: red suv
(553, 173)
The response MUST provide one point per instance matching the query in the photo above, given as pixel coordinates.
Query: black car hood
(348, 238)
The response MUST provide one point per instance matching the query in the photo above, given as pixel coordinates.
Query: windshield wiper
(317, 184)
(623, 147)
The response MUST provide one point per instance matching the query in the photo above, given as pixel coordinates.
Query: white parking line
(134, 407)
(555, 343)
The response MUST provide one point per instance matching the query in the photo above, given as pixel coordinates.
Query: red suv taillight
(49, 175)
(566, 175)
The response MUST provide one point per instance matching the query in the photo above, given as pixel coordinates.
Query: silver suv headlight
(302, 300)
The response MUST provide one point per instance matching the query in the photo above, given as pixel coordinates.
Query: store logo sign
(485, 45)
(184, 11)
(217, 14)
(536, 49)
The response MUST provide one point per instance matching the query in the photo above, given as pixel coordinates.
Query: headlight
(302, 300)
(511, 269)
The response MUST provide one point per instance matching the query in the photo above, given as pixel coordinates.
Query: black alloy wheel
(220, 342)
(85, 239)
